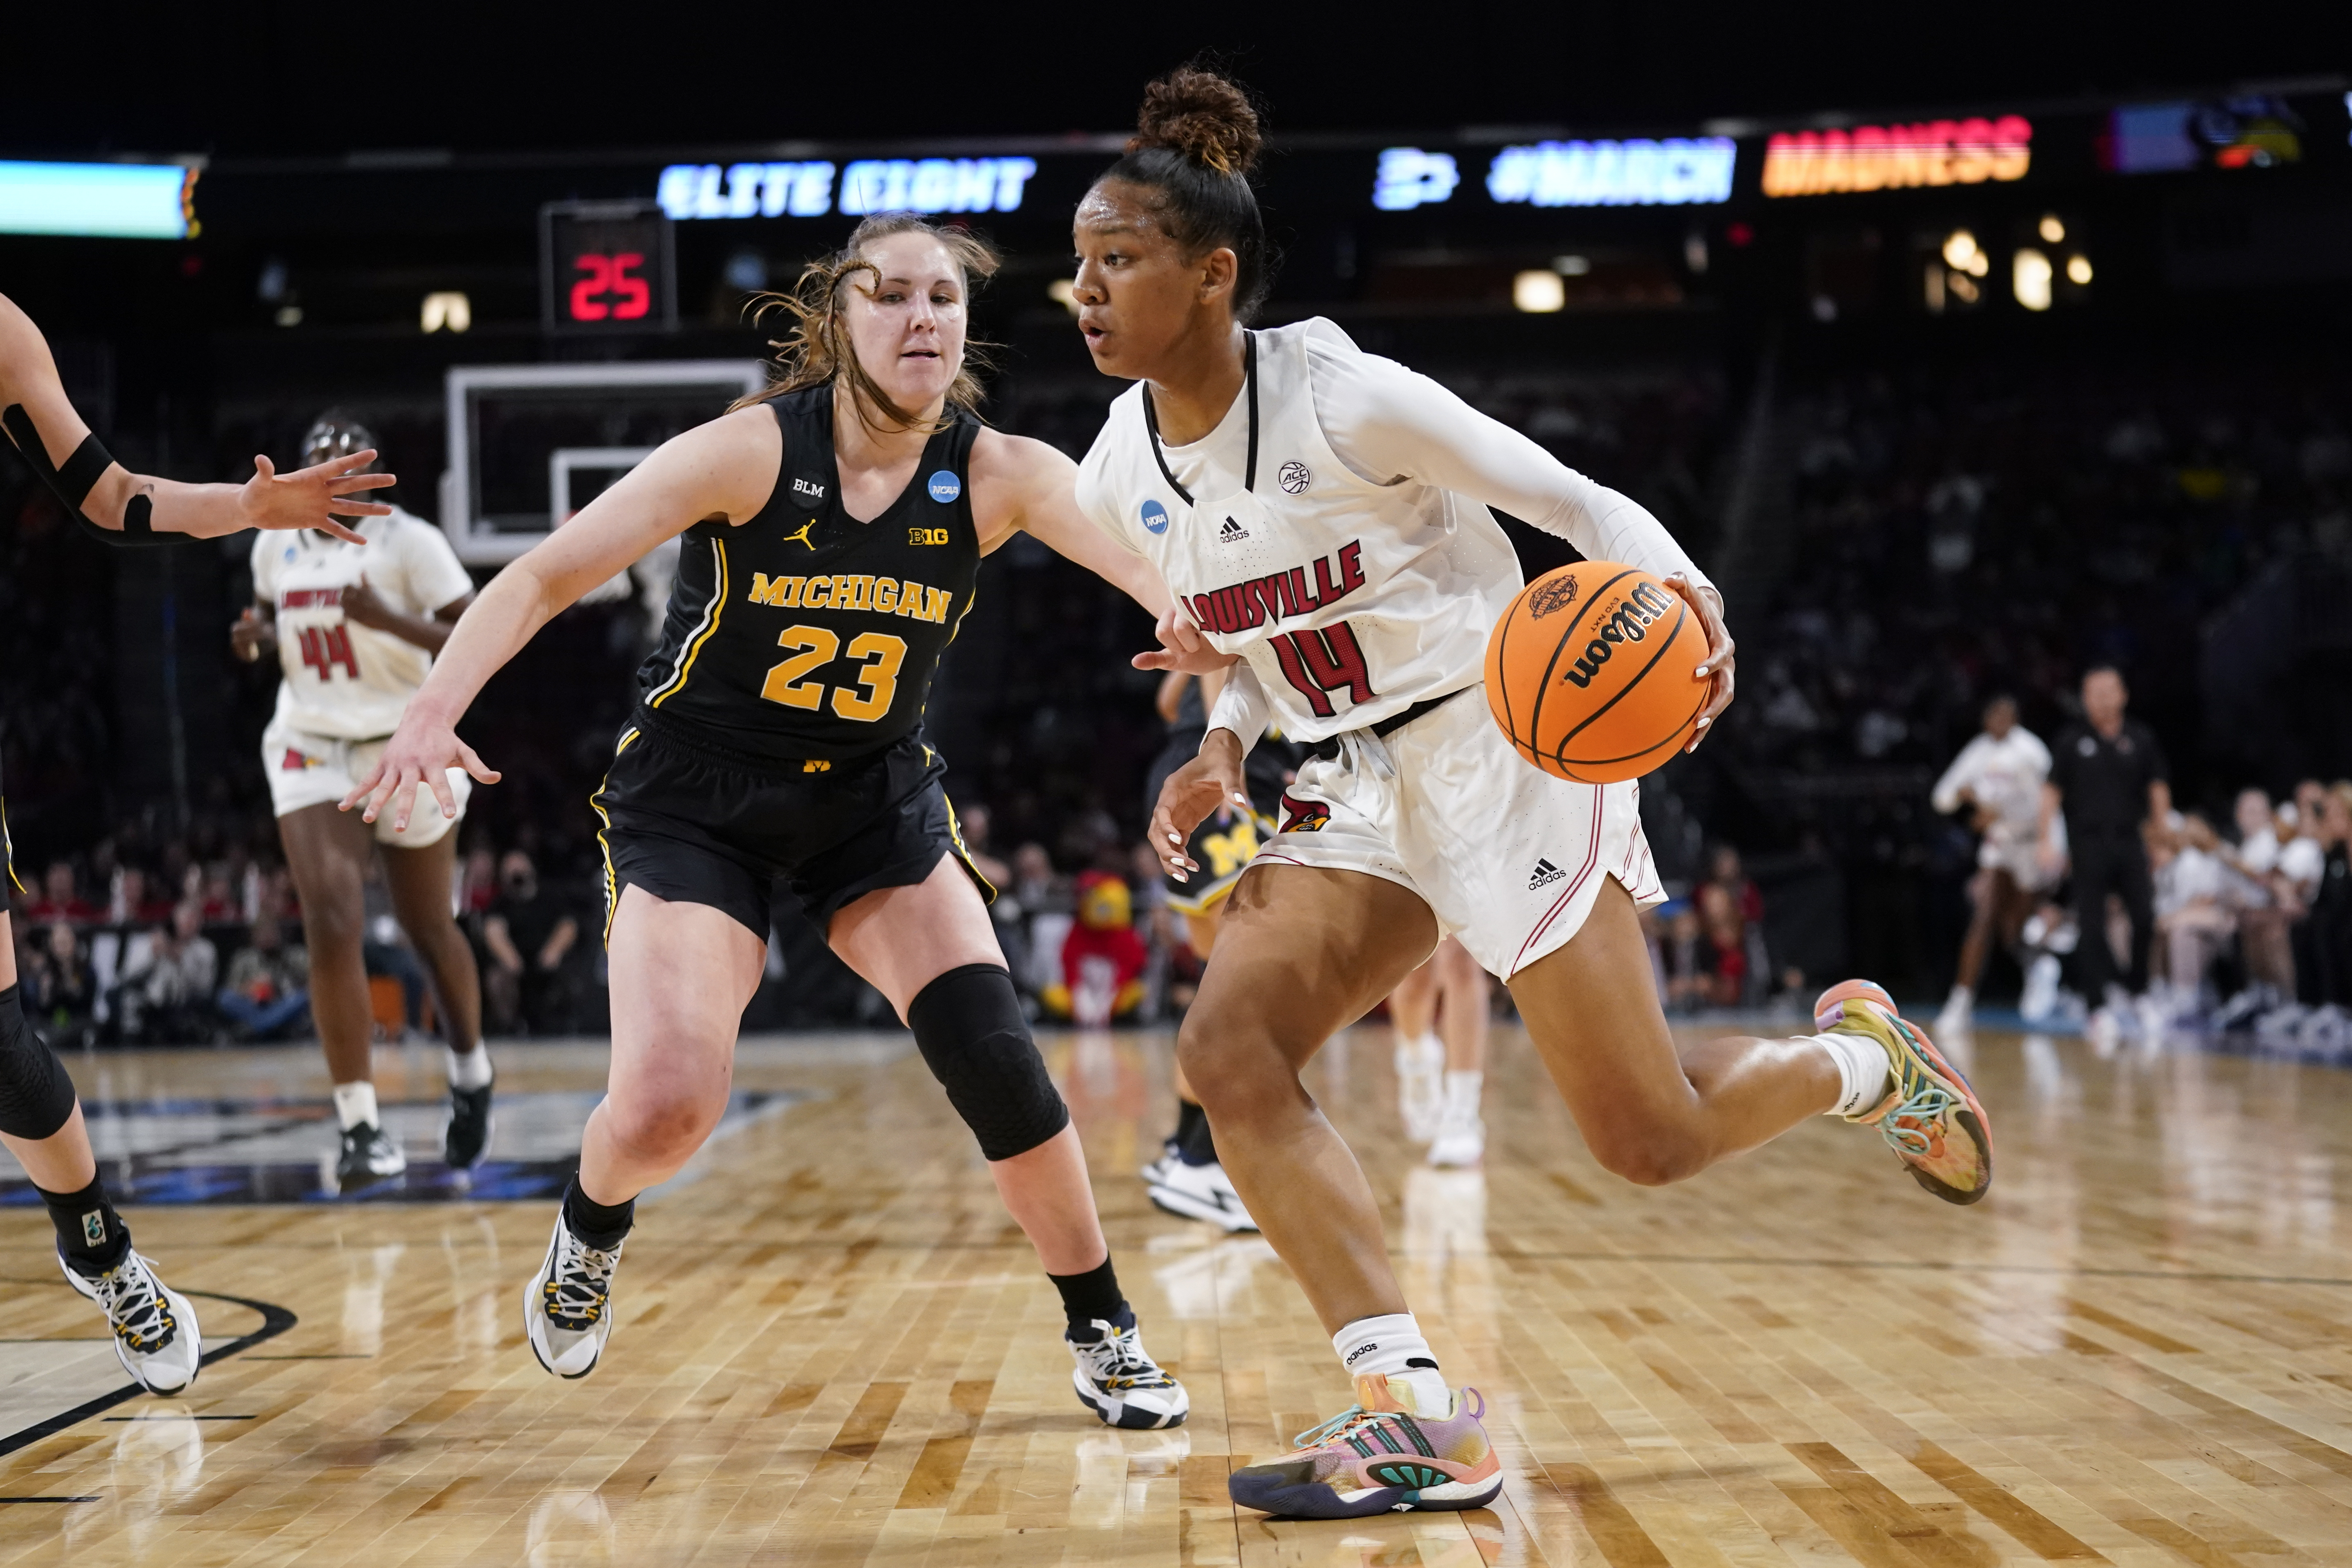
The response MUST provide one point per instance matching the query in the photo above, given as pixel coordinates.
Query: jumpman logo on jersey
(803, 537)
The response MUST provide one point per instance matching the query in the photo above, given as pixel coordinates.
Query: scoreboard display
(606, 267)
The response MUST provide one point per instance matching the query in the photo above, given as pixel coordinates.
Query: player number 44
(324, 647)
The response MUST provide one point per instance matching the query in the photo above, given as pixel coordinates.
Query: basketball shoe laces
(134, 1303)
(1913, 1119)
(1360, 1429)
(1117, 1360)
(575, 1295)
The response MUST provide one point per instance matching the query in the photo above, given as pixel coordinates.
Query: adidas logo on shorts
(1544, 875)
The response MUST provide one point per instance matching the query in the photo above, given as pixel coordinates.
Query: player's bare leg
(419, 881)
(1187, 1178)
(156, 1336)
(1459, 1137)
(327, 851)
(933, 942)
(1997, 911)
(1419, 1053)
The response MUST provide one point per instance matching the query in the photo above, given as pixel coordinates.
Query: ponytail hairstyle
(816, 351)
(1195, 142)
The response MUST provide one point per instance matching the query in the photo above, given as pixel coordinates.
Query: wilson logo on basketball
(1555, 594)
(1626, 625)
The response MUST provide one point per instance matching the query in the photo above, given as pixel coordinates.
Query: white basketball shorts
(306, 770)
(1507, 857)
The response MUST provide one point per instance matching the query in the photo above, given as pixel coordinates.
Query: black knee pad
(969, 1026)
(37, 1098)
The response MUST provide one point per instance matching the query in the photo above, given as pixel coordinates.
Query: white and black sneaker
(155, 1332)
(1152, 1173)
(1200, 1192)
(369, 1155)
(1119, 1380)
(567, 1313)
(468, 1136)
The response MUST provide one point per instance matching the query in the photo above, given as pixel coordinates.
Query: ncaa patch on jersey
(1294, 478)
(944, 485)
(1155, 517)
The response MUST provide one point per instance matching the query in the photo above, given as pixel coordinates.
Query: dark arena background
(1969, 352)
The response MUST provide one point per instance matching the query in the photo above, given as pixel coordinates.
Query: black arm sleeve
(73, 482)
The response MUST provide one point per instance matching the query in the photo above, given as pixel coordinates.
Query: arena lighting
(1538, 291)
(2078, 271)
(1677, 171)
(448, 309)
(807, 190)
(2052, 230)
(1571, 266)
(2029, 279)
(1959, 249)
(1409, 178)
(99, 201)
(1063, 292)
(1897, 157)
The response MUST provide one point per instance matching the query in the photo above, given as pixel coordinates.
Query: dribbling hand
(271, 500)
(1182, 647)
(420, 752)
(1210, 780)
(1722, 652)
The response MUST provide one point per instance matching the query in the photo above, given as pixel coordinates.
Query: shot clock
(606, 268)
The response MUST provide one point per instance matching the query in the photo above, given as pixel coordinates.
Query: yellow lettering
(851, 591)
(886, 595)
(782, 591)
(936, 609)
(818, 595)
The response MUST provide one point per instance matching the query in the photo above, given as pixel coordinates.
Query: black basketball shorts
(692, 821)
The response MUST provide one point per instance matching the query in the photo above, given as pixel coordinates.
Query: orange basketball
(1590, 672)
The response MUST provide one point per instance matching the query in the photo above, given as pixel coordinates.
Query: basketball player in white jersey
(156, 1336)
(1998, 776)
(354, 627)
(1322, 516)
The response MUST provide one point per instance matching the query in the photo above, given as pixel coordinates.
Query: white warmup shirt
(344, 681)
(1361, 571)
(2005, 775)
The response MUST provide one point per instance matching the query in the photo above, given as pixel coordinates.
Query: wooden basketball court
(833, 1347)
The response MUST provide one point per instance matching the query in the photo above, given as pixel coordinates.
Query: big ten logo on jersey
(850, 591)
(926, 536)
(1231, 850)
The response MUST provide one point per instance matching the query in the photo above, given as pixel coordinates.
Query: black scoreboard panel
(606, 267)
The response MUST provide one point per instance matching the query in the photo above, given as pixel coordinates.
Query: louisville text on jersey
(1242, 606)
(310, 599)
(883, 595)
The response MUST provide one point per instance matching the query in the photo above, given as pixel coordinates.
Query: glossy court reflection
(833, 1349)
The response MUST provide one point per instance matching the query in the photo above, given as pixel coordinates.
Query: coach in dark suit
(2108, 774)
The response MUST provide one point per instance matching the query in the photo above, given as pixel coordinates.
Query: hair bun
(1203, 116)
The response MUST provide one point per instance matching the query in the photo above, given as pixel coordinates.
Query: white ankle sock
(356, 1104)
(1380, 1347)
(1461, 1096)
(470, 1068)
(1961, 997)
(1421, 1054)
(1862, 1073)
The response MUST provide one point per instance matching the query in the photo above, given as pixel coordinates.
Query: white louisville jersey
(343, 679)
(2005, 775)
(1351, 601)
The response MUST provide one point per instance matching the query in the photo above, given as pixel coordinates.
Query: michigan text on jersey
(883, 595)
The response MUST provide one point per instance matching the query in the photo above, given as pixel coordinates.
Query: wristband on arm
(1242, 706)
(73, 482)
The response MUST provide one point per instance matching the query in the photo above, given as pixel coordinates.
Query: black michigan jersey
(804, 633)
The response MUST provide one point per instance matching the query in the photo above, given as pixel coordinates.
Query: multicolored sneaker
(1933, 1119)
(1380, 1457)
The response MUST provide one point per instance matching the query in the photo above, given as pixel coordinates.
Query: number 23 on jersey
(876, 682)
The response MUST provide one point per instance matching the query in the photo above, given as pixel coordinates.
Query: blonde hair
(816, 351)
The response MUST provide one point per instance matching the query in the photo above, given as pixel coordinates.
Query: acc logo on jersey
(1155, 517)
(1295, 478)
(945, 487)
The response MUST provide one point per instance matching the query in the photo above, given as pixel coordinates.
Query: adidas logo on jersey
(1232, 533)
(1545, 874)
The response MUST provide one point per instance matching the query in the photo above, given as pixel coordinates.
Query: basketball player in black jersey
(156, 1336)
(833, 531)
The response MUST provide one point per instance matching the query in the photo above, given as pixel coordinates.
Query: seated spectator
(60, 993)
(268, 989)
(1684, 958)
(974, 823)
(2196, 908)
(59, 899)
(134, 901)
(2323, 954)
(1724, 924)
(2267, 906)
(1753, 973)
(529, 933)
(166, 988)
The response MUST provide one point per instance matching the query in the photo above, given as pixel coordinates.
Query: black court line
(7, 1499)
(275, 1321)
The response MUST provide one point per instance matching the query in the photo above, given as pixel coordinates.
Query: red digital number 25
(633, 297)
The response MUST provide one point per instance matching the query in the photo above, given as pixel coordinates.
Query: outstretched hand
(1209, 782)
(1182, 647)
(420, 752)
(303, 499)
(1722, 652)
